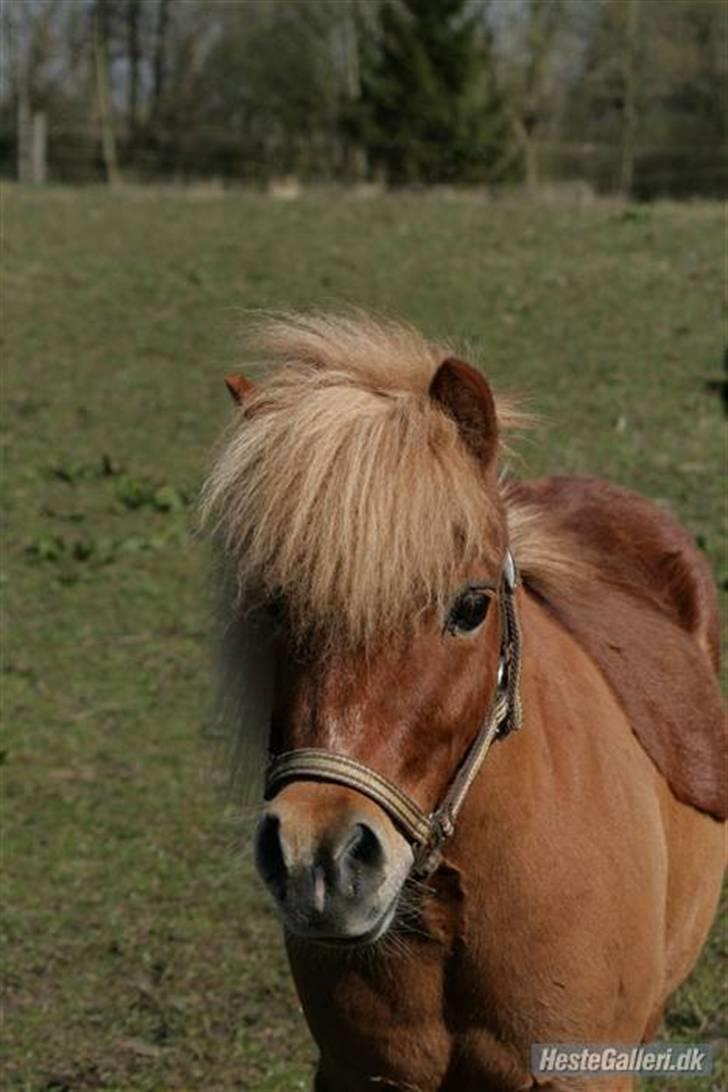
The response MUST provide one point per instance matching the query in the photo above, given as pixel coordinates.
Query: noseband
(427, 833)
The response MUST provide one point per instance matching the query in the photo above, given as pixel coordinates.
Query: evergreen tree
(430, 109)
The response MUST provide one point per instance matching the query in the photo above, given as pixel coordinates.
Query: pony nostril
(269, 856)
(360, 862)
(366, 849)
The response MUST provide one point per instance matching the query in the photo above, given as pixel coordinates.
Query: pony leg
(319, 1085)
(371, 1084)
(324, 1084)
(653, 1025)
(374, 1083)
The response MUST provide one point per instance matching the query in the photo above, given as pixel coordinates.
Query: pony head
(363, 531)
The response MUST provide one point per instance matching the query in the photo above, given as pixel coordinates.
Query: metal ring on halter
(426, 833)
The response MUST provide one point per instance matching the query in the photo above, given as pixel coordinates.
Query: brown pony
(444, 910)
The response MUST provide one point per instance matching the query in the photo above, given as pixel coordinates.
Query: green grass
(140, 953)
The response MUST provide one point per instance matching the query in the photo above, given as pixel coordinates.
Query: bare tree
(160, 48)
(16, 72)
(133, 13)
(530, 74)
(629, 113)
(103, 96)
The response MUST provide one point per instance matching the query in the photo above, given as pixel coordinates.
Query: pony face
(334, 861)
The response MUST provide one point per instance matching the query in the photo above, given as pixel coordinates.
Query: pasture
(140, 952)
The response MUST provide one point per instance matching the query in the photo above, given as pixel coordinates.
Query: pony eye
(468, 611)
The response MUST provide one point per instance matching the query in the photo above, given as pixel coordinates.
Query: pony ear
(465, 395)
(238, 386)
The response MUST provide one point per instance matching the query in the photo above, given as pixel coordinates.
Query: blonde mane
(345, 491)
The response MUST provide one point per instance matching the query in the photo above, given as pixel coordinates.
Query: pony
(489, 710)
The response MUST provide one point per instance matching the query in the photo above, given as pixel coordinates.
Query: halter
(427, 833)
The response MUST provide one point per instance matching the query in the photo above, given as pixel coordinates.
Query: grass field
(140, 953)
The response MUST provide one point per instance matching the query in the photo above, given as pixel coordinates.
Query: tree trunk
(106, 122)
(133, 11)
(354, 153)
(629, 120)
(529, 147)
(160, 45)
(19, 60)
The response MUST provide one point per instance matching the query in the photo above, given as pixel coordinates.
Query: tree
(101, 16)
(685, 127)
(160, 48)
(133, 13)
(430, 108)
(533, 37)
(650, 96)
(629, 109)
(266, 94)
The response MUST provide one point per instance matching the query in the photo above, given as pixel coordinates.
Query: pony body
(359, 495)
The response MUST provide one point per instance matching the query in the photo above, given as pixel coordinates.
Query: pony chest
(374, 1017)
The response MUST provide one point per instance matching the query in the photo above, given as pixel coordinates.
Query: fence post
(24, 139)
(38, 146)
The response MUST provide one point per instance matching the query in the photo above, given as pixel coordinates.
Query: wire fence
(73, 153)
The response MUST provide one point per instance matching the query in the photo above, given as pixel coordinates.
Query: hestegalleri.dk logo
(605, 1059)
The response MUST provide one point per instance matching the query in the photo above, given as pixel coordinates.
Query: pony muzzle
(334, 864)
